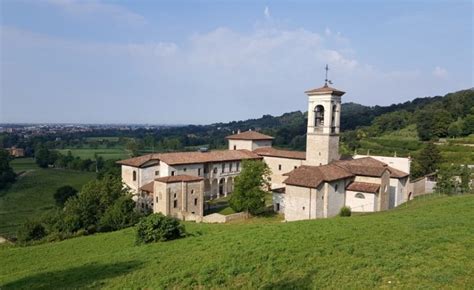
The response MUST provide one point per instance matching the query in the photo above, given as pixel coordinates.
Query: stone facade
(280, 166)
(248, 144)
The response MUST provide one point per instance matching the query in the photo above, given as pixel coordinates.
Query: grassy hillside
(33, 193)
(89, 153)
(424, 244)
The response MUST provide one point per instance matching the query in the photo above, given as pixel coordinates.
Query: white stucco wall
(287, 165)
(249, 144)
(279, 198)
(335, 199)
(144, 176)
(300, 203)
(367, 204)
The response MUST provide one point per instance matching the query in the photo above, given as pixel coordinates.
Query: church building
(306, 185)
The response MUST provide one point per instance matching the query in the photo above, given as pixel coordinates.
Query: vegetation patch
(426, 243)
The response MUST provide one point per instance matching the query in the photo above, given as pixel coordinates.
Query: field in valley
(33, 192)
(426, 243)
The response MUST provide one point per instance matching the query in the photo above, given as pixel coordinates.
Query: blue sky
(178, 62)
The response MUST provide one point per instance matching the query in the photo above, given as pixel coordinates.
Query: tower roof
(325, 90)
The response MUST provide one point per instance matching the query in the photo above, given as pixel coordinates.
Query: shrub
(31, 231)
(63, 193)
(157, 227)
(345, 211)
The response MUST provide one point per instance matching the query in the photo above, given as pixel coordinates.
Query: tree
(158, 228)
(63, 193)
(120, 215)
(447, 182)
(42, 157)
(429, 159)
(465, 175)
(7, 175)
(31, 230)
(454, 130)
(250, 187)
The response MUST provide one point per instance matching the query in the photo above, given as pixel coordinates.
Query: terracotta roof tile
(148, 187)
(313, 176)
(325, 90)
(366, 166)
(193, 157)
(205, 157)
(270, 151)
(179, 178)
(364, 187)
(249, 135)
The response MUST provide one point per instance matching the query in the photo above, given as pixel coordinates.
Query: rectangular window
(195, 201)
(175, 203)
(238, 166)
(230, 166)
(235, 147)
(172, 173)
(199, 171)
(279, 166)
(223, 167)
(157, 172)
(157, 199)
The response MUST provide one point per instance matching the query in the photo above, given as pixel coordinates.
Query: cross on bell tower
(322, 138)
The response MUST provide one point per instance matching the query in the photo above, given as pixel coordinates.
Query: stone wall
(280, 166)
(220, 218)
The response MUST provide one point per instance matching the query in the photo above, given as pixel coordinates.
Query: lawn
(424, 244)
(23, 164)
(106, 153)
(32, 194)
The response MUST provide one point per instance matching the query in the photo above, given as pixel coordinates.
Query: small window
(192, 191)
(235, 147)
(175, 203)
(174, 195)
(157, 199)
(303, 208)
(360, 195)
(278, 206)
(279, 166)
(157, 172)
(335, 187)
(223, 167)
(296, 167)
(185, 169)
(206, 169)
(172, 173)
(215, 170)
(134, 175)
(199, 171)
(195, 201)
(230, 166)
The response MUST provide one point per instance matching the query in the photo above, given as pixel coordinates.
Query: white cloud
(266, 13)
(440, 72)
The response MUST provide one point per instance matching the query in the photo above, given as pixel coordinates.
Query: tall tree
(250, 187)
(429, 159)
(7, 175)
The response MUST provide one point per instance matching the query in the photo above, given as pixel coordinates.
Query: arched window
(319, 116)
(360, 195)
(335, 188)
(333, 119)
(134, 175)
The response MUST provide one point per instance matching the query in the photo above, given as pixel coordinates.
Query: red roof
(249, 135)
(313, 176)
(363, 187)
(272, 152)
(179, 178)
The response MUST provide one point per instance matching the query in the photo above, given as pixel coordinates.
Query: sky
(200, 62)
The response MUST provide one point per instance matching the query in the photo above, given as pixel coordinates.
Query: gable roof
(273, 152)
(249, 135)
(176, 158)
(313, 176)
(366, 166)
(206, 157)
(363, 187)
(325, 90)
(148, 187)
(179, 178)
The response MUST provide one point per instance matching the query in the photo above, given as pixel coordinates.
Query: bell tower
(324, 115)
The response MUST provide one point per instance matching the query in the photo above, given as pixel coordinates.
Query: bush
(345, 211)
(157, 227)
(63, 193)
(31, 231)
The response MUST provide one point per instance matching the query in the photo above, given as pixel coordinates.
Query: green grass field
(88, 153)
(33, 192)
(23, 164)
(427, 243)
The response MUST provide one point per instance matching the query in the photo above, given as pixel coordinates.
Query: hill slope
(426, 243)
